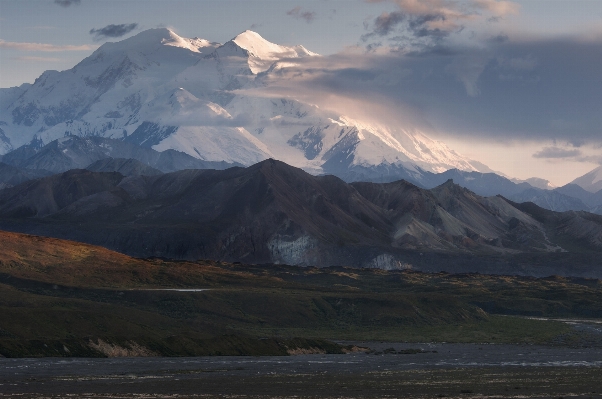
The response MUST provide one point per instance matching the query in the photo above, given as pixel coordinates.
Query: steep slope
(591, 181)
(574, 231)
(573, 190)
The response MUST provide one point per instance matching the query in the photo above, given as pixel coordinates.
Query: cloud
(467, 69)
(24, 46)
(113, 31)
(67, 3)
(386, 22)
(530, 90)
(37, 59)
(298, 13)
(435, 19)
(557, 152)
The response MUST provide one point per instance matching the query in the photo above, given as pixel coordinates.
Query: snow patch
(295, 252)
(387, 262)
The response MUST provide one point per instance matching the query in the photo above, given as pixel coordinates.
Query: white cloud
(24, 46)
(37, 59)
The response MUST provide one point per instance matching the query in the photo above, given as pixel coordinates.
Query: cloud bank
(540, 89)
(556, 152)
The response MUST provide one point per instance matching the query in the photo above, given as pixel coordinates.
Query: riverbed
(387, 370)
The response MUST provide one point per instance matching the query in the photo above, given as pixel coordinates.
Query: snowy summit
(160, 90)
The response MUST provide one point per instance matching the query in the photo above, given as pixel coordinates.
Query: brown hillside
(72, 263)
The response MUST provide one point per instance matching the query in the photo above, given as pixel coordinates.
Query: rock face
(272, 212)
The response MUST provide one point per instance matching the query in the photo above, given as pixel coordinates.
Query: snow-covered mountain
(536, 182)
(163, 91)
(591, 181)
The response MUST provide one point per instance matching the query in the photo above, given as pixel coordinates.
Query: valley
(61, 298)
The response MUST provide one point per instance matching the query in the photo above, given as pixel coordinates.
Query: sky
(516, 85)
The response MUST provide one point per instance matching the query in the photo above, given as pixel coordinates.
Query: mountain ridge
(272, 212)
(591, 181)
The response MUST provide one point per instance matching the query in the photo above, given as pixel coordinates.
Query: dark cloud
(67, 3)
(427, 22)
(528, 90)
(400, 22)
(556, 152)
(298, 13)
(112, 31)
(386, 22)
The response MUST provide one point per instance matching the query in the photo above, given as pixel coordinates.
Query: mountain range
(201, 104)
(164, 146)
(274, 213)
(73, 152)
(210, 101)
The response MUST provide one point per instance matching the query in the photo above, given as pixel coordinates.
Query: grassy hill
(62, 298)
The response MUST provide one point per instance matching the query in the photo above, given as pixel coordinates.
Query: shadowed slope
(272, 212)
(127, 167)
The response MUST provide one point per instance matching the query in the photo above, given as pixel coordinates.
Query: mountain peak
(257, 45)
(591, 181)
(162, 36)
(263, 53)
(248, 34)
(155, 35)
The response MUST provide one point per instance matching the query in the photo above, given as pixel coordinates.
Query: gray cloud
(298, 13)
(433, 20)
(67, 3)
(529, 90)
(386, 22)
(556, 152)
(112, 31)
(416, 26)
